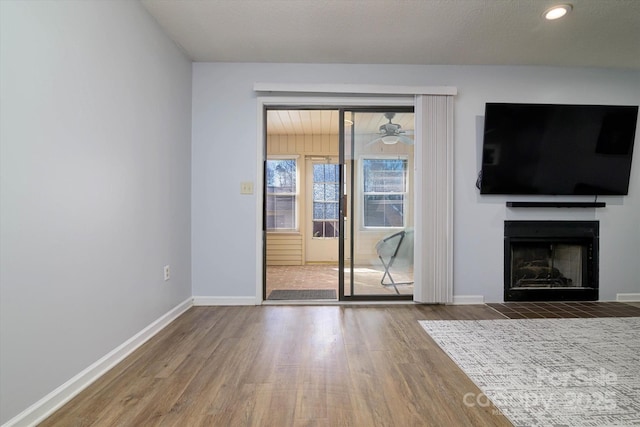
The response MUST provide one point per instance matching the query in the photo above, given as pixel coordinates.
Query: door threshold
(336, 302)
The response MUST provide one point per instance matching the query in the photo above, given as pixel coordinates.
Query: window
(385, 191)
(282, 193)
(326, 188)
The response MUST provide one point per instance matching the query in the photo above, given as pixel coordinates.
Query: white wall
(95, 186)
(225, 112)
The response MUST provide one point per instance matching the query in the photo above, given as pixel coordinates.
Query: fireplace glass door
(551, 260)
(544, 265)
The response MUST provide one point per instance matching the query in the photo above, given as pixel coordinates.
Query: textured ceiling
(597, 33)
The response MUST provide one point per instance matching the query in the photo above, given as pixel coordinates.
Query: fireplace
(551, 260)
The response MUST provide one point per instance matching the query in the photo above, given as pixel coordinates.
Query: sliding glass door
(338, 207)
(376, 244)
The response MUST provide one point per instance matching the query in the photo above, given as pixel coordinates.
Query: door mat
(302, 294)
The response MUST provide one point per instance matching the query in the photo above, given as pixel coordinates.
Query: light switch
(246, 187)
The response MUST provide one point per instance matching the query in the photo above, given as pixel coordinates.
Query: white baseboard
(468, 299)
(628, 297)
(46, 406)
(203, 301)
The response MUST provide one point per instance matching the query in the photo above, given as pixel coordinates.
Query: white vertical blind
(434, 207)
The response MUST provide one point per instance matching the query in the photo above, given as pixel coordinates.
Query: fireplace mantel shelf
(556, 204)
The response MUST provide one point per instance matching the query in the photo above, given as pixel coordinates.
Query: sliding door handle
(344, 206)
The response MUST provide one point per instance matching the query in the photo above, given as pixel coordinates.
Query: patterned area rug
(549, 372)
(302, 294)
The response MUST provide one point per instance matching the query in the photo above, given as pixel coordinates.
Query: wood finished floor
(288, 366)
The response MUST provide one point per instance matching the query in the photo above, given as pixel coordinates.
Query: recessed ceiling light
(557, 12)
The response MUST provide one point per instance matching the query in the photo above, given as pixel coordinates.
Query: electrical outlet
(167, 273)
(246, 187)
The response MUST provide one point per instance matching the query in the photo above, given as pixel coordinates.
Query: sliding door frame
(351, 208)
(335, 97)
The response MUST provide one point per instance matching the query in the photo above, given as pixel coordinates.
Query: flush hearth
(551, 260)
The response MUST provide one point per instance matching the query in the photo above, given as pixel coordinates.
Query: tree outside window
(385, 191)
(281, 194)
(326, 189)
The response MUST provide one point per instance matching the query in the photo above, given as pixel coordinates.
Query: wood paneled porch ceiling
(322, 122)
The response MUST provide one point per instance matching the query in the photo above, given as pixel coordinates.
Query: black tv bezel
(483, 189)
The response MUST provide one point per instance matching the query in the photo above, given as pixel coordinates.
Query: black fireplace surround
(551, 260)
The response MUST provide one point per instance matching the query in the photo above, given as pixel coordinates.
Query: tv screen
(557, 149)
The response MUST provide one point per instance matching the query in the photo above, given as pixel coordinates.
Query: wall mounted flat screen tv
(557, 149)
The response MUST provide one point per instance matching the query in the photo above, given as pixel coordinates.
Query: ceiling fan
(392, 133)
